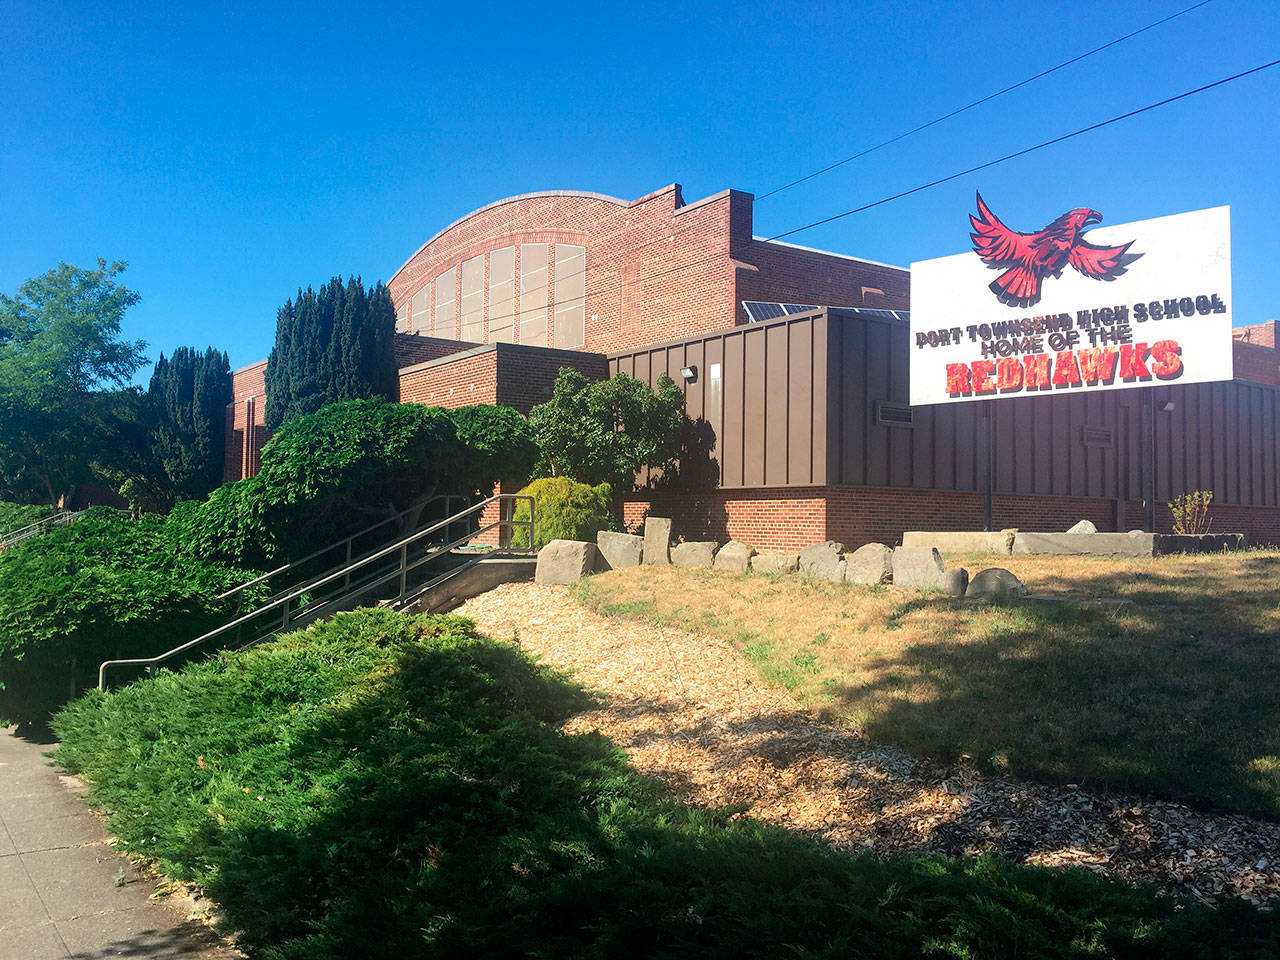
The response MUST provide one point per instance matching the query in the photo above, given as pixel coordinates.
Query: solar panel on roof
(760, 311)
(799, 307)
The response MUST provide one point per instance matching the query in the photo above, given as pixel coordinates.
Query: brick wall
(791, 518)
(790, 274)
(460, 381)
(1262, 334)
(1257, 362)
(411, 349)
(246, 424)
(657, 269)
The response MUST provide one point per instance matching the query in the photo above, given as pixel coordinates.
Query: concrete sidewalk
(64, 892)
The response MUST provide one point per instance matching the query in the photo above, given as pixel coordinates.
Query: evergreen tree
(189, 393)
(333, 344)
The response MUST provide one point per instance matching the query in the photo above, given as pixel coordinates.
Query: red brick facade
(656, 268)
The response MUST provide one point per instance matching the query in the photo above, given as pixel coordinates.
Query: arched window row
(536, 294)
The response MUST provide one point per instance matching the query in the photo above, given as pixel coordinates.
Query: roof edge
(586, 194)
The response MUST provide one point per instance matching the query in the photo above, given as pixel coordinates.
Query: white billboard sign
(1072, 308)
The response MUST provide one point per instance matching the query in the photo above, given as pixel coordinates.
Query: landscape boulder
(823, 561)
(955, 582)
(734, 557)
(566, 561)
(619, 550)
(697, 553)
(871, 563)
(997, 583)
(919, 568)
(1084, 526)
(775, 562)
(657, 540)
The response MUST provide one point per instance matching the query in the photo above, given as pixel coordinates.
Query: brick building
(801, 411)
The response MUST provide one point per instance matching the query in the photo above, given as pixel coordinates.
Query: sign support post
(987, 465)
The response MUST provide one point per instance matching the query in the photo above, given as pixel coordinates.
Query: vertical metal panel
(800, 408)
(731, 436)
(775, 403)
(753, 413)
(876, 379)
(820, 403)
(714, 412)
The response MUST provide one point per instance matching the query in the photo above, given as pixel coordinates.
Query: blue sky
(232, 152)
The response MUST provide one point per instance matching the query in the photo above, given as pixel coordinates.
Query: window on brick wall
(502, 295)
(533, 293)
(446, 318)
(473, 299)
(419, 316)
(570, 294)
(402, 318)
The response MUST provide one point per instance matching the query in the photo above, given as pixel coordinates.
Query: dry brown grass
(1177, 694)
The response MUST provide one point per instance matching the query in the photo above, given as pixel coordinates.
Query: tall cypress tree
(332, 344)
(189, 393)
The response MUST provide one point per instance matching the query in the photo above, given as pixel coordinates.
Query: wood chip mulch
(692, 712)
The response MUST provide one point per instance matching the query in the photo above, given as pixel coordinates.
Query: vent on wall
(1096, 436)
(894, 414)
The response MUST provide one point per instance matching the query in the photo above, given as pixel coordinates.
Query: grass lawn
(382, 786)
(1176, 695)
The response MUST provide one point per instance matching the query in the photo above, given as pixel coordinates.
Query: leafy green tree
(607, 431)
(335, 472)
(62, 365)
(499, 442)
(189, 393)
(332, 345)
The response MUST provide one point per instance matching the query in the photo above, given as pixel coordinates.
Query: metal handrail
(347, 542)
(401, 570)
(14, 537)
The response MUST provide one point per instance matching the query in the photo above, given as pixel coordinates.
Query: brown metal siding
(768, 409)
(1219, 436)
(796, 405)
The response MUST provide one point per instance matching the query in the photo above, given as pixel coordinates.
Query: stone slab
(775, 563)
(871, 563)
(918, 568)
(734, 557)
(657, 540)
(1085, 544)
(1166, 543)
(566, 561)
(619, 550)
(478, 579)
(823, 561)
(999, 542)
(694, 553)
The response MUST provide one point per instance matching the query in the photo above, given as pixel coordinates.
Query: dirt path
(692, 712)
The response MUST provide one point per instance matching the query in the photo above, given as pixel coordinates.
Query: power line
(1025, 151)
(986, 99)
(617, 281)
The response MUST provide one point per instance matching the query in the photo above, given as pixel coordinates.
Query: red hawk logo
(1032, 257)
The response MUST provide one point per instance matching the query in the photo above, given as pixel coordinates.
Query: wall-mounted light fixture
(1167, 406)
(689, 373)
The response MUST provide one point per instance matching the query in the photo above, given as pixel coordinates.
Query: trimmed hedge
(563, 510)
(391, 787)
(92, 590)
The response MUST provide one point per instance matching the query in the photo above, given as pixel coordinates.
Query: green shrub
(562, 510)
(15, 516)
(93, 590)
(336, 472)
(381, 786)
(500, 443)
